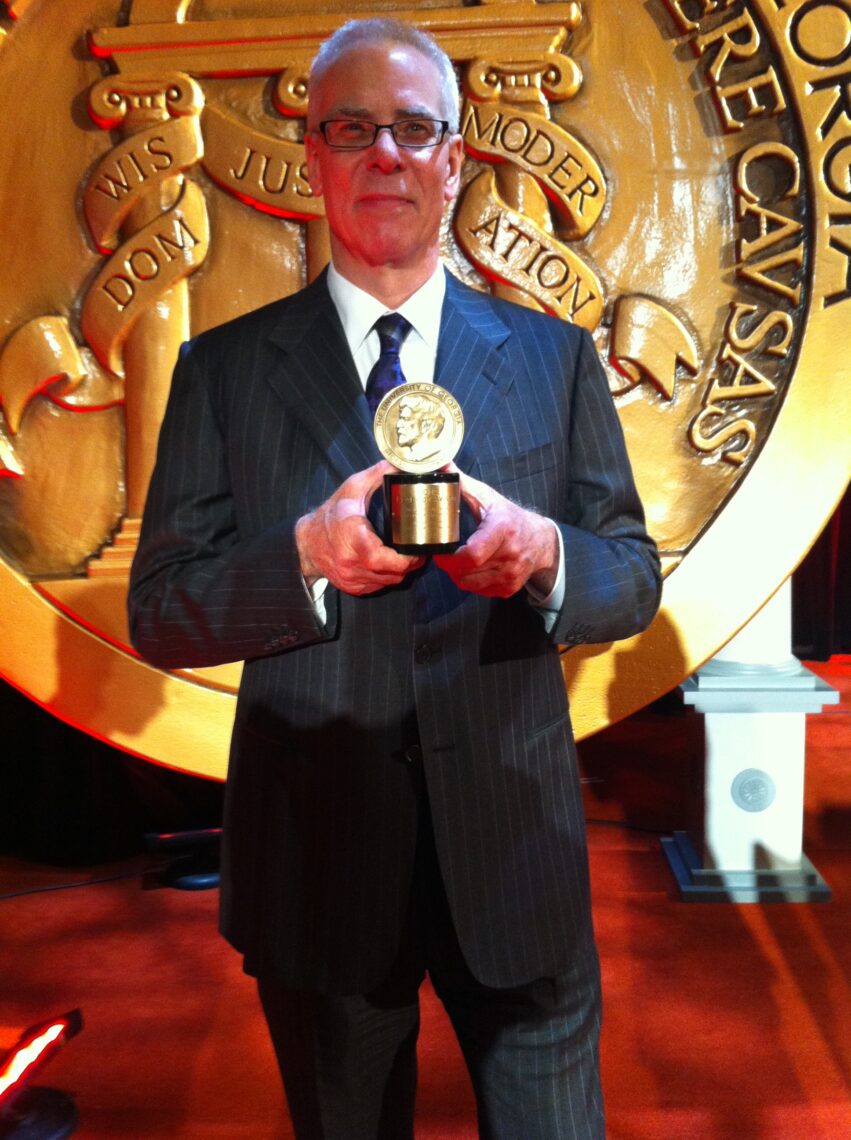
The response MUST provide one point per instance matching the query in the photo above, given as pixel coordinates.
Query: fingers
(473, 566)
(483, 565)
(366, 552)
(482, 547)
(493, 570)
(363, 484)
(508, 547)
(478, 496)
(337, 542)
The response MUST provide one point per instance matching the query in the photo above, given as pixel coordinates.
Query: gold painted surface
(683, 164)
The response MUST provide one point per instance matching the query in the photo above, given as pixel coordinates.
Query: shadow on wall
(68, 799)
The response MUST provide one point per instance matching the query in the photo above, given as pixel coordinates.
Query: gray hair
(383, 30)
(426, 409)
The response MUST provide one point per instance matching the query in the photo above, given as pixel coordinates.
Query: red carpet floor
(722, 1022)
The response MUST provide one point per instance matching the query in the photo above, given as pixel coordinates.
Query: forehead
(385, 78)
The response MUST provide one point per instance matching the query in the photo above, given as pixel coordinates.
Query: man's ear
(311, 152)
(455, 162)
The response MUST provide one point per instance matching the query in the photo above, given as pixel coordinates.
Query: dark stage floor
(722, 1022)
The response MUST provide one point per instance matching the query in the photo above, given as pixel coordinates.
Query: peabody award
(419, 428)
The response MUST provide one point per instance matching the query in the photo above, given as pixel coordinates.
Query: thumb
(478, 495)
(363, 484)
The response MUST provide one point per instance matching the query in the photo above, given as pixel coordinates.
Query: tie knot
(392, 329)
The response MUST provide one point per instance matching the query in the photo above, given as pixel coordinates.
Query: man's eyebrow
(419, 111)
(349, 113)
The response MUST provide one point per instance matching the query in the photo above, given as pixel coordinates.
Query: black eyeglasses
(357, 134)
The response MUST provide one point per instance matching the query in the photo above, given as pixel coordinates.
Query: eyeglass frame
(444, 124)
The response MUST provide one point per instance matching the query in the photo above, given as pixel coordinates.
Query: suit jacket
(266, 417)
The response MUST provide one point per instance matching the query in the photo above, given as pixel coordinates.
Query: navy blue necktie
(387, 372)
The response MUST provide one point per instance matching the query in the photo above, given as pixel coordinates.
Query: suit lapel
(469, 363)
(318, 381)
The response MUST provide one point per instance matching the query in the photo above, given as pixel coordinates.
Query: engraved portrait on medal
(419, 427)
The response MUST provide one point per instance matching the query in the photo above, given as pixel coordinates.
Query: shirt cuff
(316, 593)
(550, 604)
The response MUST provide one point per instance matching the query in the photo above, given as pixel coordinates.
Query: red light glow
(33, 1050)
(27, 1054)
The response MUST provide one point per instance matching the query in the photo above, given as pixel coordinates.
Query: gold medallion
(419, 427)
(673, 175)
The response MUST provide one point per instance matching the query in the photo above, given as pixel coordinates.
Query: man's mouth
(378, 199)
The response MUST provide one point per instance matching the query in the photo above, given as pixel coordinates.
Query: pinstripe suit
(266, 418)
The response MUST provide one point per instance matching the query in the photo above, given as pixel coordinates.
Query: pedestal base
(422, 512)
(697, 883)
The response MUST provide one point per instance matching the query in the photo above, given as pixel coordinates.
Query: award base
(422, 512)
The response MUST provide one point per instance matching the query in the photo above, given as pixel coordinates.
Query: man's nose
(386, 152)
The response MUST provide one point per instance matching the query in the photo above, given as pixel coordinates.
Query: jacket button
(423, 654)
(414, 754)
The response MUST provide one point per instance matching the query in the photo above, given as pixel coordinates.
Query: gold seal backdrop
(672, 174)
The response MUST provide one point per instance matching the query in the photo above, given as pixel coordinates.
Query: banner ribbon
(506, 245)
(136, 166)
(145, 267)
(564, 169)
(261, 170)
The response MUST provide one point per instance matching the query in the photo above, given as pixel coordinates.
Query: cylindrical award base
(422, 512)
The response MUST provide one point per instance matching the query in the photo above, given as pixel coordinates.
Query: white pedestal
(753, 698)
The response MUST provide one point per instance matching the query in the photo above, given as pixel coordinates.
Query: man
(402, 793)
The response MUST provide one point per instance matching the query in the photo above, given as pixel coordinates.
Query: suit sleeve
(200, 592)
(612, 582)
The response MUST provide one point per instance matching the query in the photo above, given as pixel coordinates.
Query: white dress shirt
(358, 313)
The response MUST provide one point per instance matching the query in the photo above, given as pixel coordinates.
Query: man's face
(408, 428)
(420, 421)
(384, 204)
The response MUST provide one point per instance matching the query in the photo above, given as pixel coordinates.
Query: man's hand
(511, 548)
(337, 542)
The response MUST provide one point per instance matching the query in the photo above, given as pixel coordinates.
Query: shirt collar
(359, 310)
